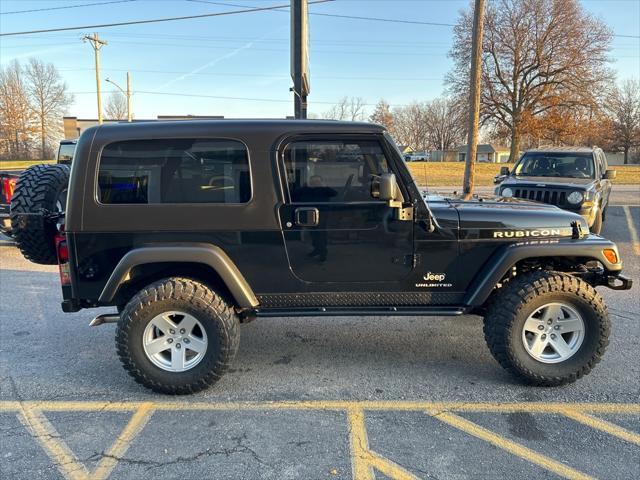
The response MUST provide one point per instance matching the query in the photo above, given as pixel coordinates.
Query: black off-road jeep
(191, 228)
(573, 178)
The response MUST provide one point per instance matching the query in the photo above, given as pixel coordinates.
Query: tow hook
(619, 282)
(104, 318)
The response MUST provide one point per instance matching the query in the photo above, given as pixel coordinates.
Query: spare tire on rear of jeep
(40, 190)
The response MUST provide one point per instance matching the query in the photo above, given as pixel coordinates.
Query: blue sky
(247, 55)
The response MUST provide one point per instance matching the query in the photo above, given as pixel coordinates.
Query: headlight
(507, 192)
(575, 197)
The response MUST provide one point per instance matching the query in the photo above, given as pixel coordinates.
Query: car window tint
(333, 171)
(556, 164)
(174, 171)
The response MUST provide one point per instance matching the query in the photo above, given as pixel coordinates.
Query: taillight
(8, 186)
(63, 258)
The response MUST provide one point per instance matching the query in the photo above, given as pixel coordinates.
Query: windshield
(556, 164)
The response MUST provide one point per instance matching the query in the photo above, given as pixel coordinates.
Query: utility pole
(129, 97)
(474, 99)
(300, 57)
(126, 93)
(97, 44)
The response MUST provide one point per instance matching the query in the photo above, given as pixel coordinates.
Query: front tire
(177, 336)
(547, 328)
(597, 223)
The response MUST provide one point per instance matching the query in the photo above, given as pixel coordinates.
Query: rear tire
(186, 361)
(41, 187)
(518, 304)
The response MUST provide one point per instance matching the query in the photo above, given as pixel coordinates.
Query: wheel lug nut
(178, 345)
(172, 331)
(544, 336)
(549, 322)
(182, 330)
(186, 340)
(553, 335)
(170, 340)
(540, 327)
(557, 327)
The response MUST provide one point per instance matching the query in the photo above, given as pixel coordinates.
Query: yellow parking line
(41, 429)
(138, 421)
(632, 230)
(602, 425)
(535, 407)
(363, 460)
(508, 445)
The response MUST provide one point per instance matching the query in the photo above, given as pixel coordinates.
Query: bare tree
(445, 123)
(347, 109)
(623, 108)
(537, 55)
(116, 108)
(17, 128)
(49, 100)
(382, 115)
(410, 126)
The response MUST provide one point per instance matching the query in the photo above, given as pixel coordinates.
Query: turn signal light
(610, 255)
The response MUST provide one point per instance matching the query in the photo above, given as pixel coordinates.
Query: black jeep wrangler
(191, 228)
(573, 178)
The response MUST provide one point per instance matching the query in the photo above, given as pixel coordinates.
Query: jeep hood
(511, 218)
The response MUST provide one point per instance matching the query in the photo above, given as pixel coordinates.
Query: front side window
(174, 171)
(333, 171)
(556, 164)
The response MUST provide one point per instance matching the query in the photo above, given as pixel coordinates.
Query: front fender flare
(205, 254)
(505, 258)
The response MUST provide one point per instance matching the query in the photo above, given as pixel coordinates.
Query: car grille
(554, 197)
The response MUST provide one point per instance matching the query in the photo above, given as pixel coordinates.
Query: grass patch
(438, 174)
(21, 164)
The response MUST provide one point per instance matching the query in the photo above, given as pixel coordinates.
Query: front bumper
(600, 277)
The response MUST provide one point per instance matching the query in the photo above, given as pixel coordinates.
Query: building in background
(74, 126)
(487, 153)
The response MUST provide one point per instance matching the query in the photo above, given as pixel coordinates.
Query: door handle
(307, 216)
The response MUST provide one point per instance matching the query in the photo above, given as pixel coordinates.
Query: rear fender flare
(507, 257)
(205, 254)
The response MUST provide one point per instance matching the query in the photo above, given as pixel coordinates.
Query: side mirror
(385, 187)
(504, 171)
(610, 174)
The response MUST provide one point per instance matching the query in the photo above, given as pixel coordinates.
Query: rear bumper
(70, 306)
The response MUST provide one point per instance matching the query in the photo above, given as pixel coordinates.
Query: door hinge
(415, 260)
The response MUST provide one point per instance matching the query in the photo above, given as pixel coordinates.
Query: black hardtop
(234, 127)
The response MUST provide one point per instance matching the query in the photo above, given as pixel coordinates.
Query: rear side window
(174, 171)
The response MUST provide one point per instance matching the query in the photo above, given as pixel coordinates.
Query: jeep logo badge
(434, 277)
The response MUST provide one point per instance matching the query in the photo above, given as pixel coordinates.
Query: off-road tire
(510, 308)
(38, 187)
(217, 317)
(597, 223)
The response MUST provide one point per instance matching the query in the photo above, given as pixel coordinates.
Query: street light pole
(125, 93)
(97, 44)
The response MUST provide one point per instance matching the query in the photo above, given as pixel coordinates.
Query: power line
(231, 74)
(353, 17)
(374, 19)
(155, 20)
(67, 6)
(222, 97)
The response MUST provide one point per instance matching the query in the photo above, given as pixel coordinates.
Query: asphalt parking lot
(311, 398)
